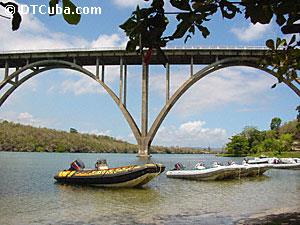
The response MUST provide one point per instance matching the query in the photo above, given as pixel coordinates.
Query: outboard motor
(101, 164)
(178, 166)
(77, 165)
(216, 164)
(200, 166)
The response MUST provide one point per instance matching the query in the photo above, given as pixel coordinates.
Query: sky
(214, 109)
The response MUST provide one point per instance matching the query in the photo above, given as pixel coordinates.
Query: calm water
(29, 194)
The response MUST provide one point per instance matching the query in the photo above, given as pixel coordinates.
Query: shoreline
(286, 216)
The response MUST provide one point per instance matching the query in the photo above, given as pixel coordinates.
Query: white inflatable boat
(277, 163)
(219, 172)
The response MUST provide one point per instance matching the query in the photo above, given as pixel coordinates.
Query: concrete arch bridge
(20, 66)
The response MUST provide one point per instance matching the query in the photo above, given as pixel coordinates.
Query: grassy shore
(21, 138)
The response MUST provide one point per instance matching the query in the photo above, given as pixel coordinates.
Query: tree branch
(6, 17)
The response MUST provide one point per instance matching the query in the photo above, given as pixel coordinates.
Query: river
(29, 194)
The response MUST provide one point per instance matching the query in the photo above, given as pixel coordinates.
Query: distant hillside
(276, 141)
(24, 138)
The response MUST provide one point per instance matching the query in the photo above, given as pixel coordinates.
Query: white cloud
(128, 3)
(83, 85)
(252, 32)
(193, 134)
(27, 119)
(34, 35)
(105, 41)
(79, 84)
(239, 85)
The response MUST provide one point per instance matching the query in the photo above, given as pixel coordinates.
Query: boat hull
(128, 176)
(220, 173)
(286, 166)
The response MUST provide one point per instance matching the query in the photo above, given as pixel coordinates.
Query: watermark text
(44, 9)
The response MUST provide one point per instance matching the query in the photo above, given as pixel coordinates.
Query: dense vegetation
(17, 137)
(276, 141)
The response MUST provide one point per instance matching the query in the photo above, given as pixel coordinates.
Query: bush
(238, 145)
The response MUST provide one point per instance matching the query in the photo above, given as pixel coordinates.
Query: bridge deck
(203, 56)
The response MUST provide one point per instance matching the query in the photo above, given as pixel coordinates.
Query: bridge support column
(97, 68)
(121, 81)
(167, 82)
(6, 73)
(125, 85)
(192, 66)
(102, 73)
(144, 143)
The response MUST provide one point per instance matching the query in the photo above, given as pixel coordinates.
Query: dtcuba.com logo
(12, 8)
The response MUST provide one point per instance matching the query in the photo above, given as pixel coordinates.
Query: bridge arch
(228, 62)
(46, 65)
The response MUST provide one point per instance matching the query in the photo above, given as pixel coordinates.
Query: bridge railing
(123, 49)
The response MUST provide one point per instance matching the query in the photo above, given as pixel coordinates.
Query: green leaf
(293, 39)
(280, 19)
(131, 46)
(290, 28)
(228, 9)
(260, 13)
(52, 5)
(157, 4)
(69, 12)
(278, 41)
(142, 13)
(128, 24)
(187, 37)
(192, 29)
(181, 4)
(205, 32)
(16, 21)
(182, 28)
(270, 44)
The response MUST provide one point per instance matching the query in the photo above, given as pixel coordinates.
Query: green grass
(22, 138)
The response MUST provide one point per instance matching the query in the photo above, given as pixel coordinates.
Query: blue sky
(216, 107)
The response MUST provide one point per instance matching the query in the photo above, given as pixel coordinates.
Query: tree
(253, 135)
(238, 145)
(297, 135)
(283, 57)
(275, 123)
(298, 116)
(269, 145)
(286, 141)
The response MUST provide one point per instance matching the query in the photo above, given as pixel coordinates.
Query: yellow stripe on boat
(131, 183)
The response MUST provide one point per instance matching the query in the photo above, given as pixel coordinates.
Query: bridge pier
(144, 144)
(144, 148)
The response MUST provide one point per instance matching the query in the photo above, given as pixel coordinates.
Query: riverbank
(281, 216)
(23, 138)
